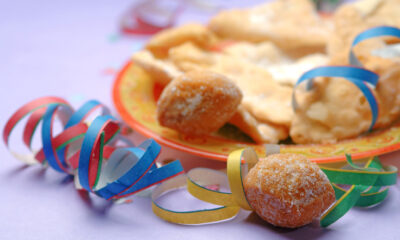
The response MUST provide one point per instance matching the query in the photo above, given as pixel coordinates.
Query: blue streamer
(47, 140)
(358, 76)
(142, 174)
(86, 149)
(381, 31)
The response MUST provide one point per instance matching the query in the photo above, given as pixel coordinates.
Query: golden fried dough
(335, 109)
(162, 71)
(195, 33)
(293, 25)
(352, 18)
(388, 89)
(198, 103)
(260, 132)
(261, 54)
(289, 73)
(262, 96)
(189, 57)
(269, 50)
(284, 70)
(288, 190)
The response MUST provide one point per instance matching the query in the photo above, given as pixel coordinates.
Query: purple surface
(62, 48)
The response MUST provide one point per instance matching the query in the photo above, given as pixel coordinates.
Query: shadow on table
(377, 207)
(17, 170)
(37, 174)
(99, 209)
(310, 231)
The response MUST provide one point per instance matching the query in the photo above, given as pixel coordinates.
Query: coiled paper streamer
(89, 151)
(365, 186)
(134, 22)
(365, 190)
(144, 17)
(381, 31)
(356, 74)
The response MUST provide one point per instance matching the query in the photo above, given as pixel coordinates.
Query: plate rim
(132, 122)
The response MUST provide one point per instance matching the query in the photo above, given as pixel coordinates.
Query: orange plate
(135, 95)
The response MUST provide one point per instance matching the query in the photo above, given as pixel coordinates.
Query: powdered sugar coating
(198, 102)
(288, 190)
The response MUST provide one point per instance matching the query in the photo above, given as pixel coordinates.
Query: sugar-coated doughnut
(288, 190)
(197, 103)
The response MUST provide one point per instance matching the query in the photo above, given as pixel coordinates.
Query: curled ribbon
(136, 23)
(196, 180)
(89, 151)
(357, 75)
(380, 31)
(365, 190)
(365, 186)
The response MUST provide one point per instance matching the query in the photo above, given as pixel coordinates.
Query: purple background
(70, 49)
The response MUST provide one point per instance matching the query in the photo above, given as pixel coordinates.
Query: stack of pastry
(242, 66)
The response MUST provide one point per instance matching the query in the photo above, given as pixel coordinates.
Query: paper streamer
(90, 151)
(362, 78)
(381, 31)
(358, 76)
(196, 180)
(135, 21)
(364, 191)
(365, 187)
(151, 16)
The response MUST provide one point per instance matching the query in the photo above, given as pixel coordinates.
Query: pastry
(263, 51)
(198, 103)
(260, 132)
(288, 190)
(195, 33)
(352, 18)
(161, 71)
(335, 109)
(262, 96)
(293, 25)
(188, 57)
(283, 69)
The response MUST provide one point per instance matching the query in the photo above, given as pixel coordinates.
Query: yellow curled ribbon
(196, 181)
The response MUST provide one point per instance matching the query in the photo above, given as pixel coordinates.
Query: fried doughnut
(198, 103)
(264, 98)
(288, 190)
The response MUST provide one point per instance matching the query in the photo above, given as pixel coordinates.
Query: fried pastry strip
(293, 25)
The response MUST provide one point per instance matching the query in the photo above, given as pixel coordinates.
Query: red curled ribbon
(135, 22)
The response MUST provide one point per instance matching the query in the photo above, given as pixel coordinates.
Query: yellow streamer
(195, 182)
